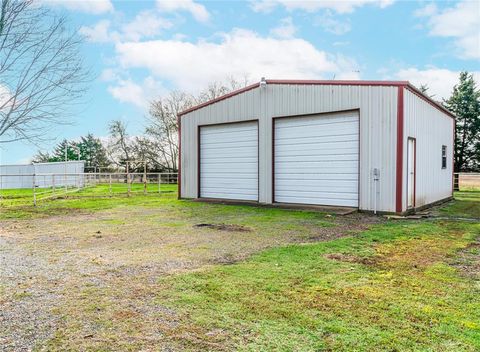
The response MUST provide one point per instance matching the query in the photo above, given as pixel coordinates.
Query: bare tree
(41, 70)
(217, 89)
(162, 127)
(119, 147)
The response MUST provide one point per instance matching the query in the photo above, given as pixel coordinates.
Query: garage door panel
(317, 177)
(347, 185)
(279, 169)
(316, 159)
(315, 141)
(313, 120)
(229, 161)
(328, 158)
(317, 201)
(316, 150)
(229, 152)
(333, 130)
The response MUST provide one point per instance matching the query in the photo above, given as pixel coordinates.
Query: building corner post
(399, 163)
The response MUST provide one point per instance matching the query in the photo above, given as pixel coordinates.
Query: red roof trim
(429, 100)
(399, 163)
(324, 82)
(337, 83)
(223, 97)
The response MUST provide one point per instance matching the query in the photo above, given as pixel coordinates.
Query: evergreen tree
(93, 152)
(465, 104)
(58, 153)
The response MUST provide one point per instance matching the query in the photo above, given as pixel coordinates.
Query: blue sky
(140, 50)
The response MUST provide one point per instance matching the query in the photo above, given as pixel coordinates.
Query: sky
(141, 50)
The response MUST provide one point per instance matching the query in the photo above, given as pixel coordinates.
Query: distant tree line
(157, 146)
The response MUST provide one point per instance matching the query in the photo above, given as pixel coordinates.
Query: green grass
(466, 204)
(18, 203)
(395, 287)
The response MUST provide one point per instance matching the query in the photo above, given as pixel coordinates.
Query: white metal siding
(43, 174)
(378, 118)
(21, 176)
(432, 128)
(316, 159)
(229, 161)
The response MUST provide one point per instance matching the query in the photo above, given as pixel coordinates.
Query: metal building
(371, 145)
(69, 173)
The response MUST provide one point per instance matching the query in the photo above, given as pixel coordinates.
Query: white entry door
(316, 159)
(411, 173)
(229, 161)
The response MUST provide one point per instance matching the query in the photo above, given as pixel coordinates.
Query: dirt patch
(224, 227)
(467, 260)
(350, 258)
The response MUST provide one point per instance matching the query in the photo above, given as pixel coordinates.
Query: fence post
(128, 182)
(110, 183)
(34, 194)
(145, 178)
(159, 183)
(456, 182)
(53, 183)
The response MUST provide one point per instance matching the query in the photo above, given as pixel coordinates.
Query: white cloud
(198, 11)
(329, 24)
(128, 91)
(427, 10)
(440, 81)
(191, 66)
(5, 96)
(94, 7)
(286, 29)
(339, 6)
(109, 75)
(461, 22)
(98, 33)
(146, 24)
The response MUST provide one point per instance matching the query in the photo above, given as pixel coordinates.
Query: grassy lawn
(118, 273)
(466, 204)
(392, 288)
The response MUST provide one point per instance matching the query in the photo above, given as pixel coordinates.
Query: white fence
(467, 181)
(49, 185)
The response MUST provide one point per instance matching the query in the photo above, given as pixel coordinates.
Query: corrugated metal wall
(432, 129)
(24, 174)
(14, 182)
(378, 116)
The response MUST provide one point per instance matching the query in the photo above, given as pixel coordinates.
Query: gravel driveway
(87, 279)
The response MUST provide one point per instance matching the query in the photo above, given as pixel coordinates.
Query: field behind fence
(43, 187)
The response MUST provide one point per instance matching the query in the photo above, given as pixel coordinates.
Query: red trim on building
(453, 154)
(179, 175)
(399, 177)
(325, 82)
(429, 100)
(336, 83)
(223, 97)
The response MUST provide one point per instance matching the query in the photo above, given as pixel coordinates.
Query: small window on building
(444, 156)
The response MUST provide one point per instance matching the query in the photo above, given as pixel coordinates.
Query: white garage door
(316, 159)
(229, 161)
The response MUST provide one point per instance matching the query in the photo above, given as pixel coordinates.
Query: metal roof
(404, 84)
